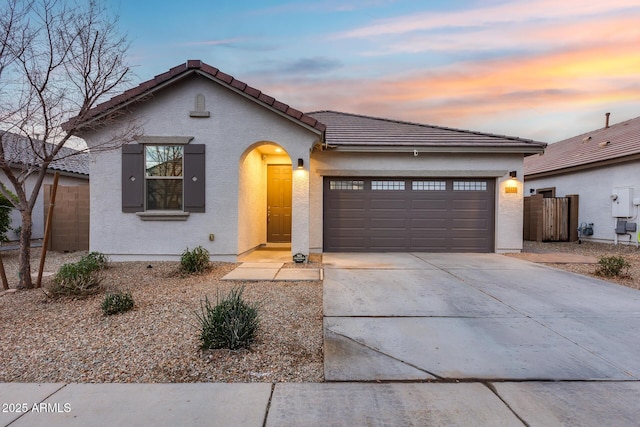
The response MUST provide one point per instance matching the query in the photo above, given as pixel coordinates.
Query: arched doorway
(265, 196)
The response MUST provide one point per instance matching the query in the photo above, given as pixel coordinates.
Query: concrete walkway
(321, 404)
(267, 264)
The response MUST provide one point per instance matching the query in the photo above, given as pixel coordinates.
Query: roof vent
(585, 139)
(604, 144)
(606, 120)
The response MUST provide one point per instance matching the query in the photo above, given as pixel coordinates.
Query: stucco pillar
(510, 214)
(300, 209)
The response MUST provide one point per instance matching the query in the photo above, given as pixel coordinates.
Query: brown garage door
(408, 214)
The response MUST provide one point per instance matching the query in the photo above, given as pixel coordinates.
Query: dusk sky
(538, 69)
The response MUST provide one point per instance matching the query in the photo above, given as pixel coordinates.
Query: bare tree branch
(58, 60)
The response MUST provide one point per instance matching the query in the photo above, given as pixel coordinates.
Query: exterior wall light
(300, 164)
(513, 174)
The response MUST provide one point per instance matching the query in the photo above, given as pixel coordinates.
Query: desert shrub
(194, 261)
(230, 323)
(611, 266)
(80, 278)
(117, 302)
(99, 260)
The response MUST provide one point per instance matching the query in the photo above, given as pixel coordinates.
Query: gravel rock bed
(70, 340)
(594, 249)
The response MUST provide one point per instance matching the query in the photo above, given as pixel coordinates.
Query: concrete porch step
(272, 271)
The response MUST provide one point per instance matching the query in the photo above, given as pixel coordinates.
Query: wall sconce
(300, 164)
(513, 174)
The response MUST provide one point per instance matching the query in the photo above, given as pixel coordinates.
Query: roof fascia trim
(258, 102)
(137, 98)
(436, 149)
(586, 166)
(480, 173)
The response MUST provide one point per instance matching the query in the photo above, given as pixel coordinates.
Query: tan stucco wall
(508, 213)
(251, 202)
(38, 214)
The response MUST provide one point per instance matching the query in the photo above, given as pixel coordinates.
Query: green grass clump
(231, 323)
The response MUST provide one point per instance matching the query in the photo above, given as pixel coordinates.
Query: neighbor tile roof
(18, 151)
(615, 143)
(192, 67)
(344, 129)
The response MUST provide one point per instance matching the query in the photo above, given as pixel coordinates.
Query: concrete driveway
(416, 316)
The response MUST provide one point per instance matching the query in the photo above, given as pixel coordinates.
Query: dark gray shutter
(194, 178)
(133, 178)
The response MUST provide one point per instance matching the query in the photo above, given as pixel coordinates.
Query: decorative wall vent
(199, 107)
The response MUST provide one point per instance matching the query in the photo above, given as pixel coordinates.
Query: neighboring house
(254, 171)
(603, 168)
(72, 166)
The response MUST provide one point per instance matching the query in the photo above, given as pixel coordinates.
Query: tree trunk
(25, 250)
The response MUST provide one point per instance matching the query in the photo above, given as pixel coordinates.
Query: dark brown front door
(279, 203)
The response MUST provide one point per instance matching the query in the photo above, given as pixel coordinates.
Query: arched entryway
(265, 196)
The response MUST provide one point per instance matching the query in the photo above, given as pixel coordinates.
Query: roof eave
(438, 149)
(582, 167)
(133, 100)
(260, 103)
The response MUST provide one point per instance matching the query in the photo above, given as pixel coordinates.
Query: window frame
(148, 178)
(133, 179)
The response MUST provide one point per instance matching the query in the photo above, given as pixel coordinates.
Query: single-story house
(72, 165)
(222, 165)
(603, 168)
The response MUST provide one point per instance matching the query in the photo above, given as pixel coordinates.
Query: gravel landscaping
(591, 249)
(70, 340)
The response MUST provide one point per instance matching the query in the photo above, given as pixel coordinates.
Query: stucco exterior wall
(251, 202)
(508, 208)
(234, 126)
(38, 214)
(595, 186)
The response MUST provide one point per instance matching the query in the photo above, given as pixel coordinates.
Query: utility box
(622, 202)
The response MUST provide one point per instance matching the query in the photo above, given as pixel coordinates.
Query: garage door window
(429, 185)
(387, 185)
(469, 186)
(347, 185)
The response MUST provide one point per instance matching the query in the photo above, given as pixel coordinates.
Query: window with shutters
(163, 178)
(163, 166)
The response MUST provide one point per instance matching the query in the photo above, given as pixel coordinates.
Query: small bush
(98, 259)
(611, 266)
(194, 261)
(117, 302)
(231, 323)
(80, 278)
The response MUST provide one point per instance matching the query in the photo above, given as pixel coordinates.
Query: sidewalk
(321, 404)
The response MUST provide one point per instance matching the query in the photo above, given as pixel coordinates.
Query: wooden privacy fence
(70, 224)
(552, 219)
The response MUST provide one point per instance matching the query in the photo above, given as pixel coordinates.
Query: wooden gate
(552, 219)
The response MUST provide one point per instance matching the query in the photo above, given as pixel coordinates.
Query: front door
(279, 203)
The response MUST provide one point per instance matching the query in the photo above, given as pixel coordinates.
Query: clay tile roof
(194, 66)
(615, 143)
(344, 129)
